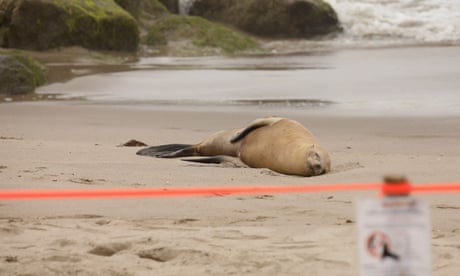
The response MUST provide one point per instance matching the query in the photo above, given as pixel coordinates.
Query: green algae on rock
(141, 8)
(200, 32)
(131, 6)
(171, 5)
(153, 7)
(19, 73)
(46, 24)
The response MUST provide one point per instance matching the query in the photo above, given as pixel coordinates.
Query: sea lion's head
(318, 161)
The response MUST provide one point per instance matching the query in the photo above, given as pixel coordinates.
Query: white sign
(394, 236)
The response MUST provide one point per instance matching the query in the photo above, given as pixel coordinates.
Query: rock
(133, 143)
(19, 73)
(142, 8)
(45, 24)
(153, 8)
(196, 35)
(272, 18)
(131, 6)
(171, 5)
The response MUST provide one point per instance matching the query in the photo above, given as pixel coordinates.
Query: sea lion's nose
(316, 166)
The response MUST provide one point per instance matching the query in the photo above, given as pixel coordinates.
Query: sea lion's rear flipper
(224, 160)
(258, 123)
(169, 151)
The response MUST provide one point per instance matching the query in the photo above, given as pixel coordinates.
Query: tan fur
(219, 144)
(284, 146)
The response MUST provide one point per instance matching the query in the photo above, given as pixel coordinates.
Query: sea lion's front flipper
(253, 126)
(224, 160)
(169, 151)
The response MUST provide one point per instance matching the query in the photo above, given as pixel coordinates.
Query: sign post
(394, 233)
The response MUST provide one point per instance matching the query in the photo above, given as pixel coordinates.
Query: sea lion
(275, 143)
(282, 145)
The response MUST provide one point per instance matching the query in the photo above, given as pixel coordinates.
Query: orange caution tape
(385, 189)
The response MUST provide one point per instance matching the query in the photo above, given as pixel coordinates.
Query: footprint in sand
(109, 249)
(63, 259)
(236, 235)
(11, 259)
(87, 181)
(63, 242)
(161, 254)
(34, 170)
(185, 220)
(77, 216)
(164, 254)
(10, 138)
(102, 222)
(445, 206)
(265, 197)
(270, 197)
(10, 229)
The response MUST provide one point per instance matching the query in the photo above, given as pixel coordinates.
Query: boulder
(140, 9)
(45, 24)
(197, 35)
(152, 9)
(171, 5)
(131, 6)
(172, 34)
(19, 73)
(272, 18)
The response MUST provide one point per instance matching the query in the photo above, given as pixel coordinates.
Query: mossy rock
(45, 24)
(140, 8)
(19, 73)
(272, 18)
(200, 32)
(154, 8)
(131, 6)
(171, 5)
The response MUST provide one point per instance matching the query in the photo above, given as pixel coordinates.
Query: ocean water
(395, 58)
(390, 22)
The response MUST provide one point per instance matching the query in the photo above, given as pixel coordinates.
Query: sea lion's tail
(169, 151)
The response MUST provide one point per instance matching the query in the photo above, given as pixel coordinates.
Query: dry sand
(62, 145)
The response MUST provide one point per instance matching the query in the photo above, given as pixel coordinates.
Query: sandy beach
(382, 95)
(74, 145)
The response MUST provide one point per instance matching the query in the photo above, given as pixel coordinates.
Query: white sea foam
(399, 21)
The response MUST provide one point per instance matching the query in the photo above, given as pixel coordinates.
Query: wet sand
(64, 145)
(409, 81)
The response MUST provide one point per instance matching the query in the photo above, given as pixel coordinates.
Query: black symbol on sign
(379, 246)
(388, 254)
